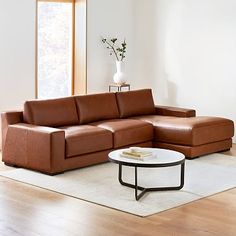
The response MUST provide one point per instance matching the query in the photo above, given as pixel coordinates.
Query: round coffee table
(161, 158)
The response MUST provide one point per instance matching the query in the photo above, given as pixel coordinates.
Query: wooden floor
(30, 211)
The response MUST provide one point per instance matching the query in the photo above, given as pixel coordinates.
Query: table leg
(182, 176)
(125, 183)
(143, 190)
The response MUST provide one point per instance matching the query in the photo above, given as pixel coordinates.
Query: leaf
(119, 52)
(113, 40)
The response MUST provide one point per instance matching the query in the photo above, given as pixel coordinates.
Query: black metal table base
(143, 190)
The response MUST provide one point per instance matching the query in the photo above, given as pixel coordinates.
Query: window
(55, 48)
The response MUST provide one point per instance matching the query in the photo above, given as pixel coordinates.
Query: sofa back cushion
(134, 103)
(51, 112)
(96, 107)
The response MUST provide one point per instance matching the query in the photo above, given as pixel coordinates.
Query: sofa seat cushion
(127, 131)
(192, 131)
(84, 139)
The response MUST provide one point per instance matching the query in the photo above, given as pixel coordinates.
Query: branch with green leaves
(119, 52)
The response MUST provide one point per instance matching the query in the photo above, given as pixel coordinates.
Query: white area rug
(99, 184)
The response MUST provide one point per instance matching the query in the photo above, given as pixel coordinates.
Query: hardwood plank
(28, 210)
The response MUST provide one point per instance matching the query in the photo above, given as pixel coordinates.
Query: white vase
(120, 77)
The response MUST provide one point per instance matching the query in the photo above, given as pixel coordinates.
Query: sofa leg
(11, 165)
(52, 174)
(192, 158)
(226, 150)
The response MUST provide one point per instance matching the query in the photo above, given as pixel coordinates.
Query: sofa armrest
(174, 111)
(35, 147)
(9, 118)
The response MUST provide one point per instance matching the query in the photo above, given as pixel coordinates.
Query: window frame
(79, 46)
(69, 1)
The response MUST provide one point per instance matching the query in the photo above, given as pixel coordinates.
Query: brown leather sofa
(56, 135)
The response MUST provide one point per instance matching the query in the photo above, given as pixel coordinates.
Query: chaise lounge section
(55, 135)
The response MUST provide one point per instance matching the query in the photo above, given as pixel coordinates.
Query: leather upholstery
(92, 158)
(134, 103)
(9, 118)
(127, 131)
(35, 147)
(193, 132)
(97, 107)
(84, 139)
(86, 160)
(72, 145)
(153, 119)
(51, 112)
(196, 151)
(174, 111)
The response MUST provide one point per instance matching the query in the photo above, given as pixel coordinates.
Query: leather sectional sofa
(52, 136)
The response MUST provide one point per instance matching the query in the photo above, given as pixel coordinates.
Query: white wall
(107, 18)
(17, 53)
(17, 57)
(193, 57)
(184, 49)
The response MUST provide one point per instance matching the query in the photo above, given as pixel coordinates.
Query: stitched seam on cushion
(179, 144)
(219, 141)
(192, 128)
(77, 109)
(131, 128)
(140, 127)
(100, 132)
(221, 123)
(76, 140)
(118, 105)
(31, 114)
(93, 152)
